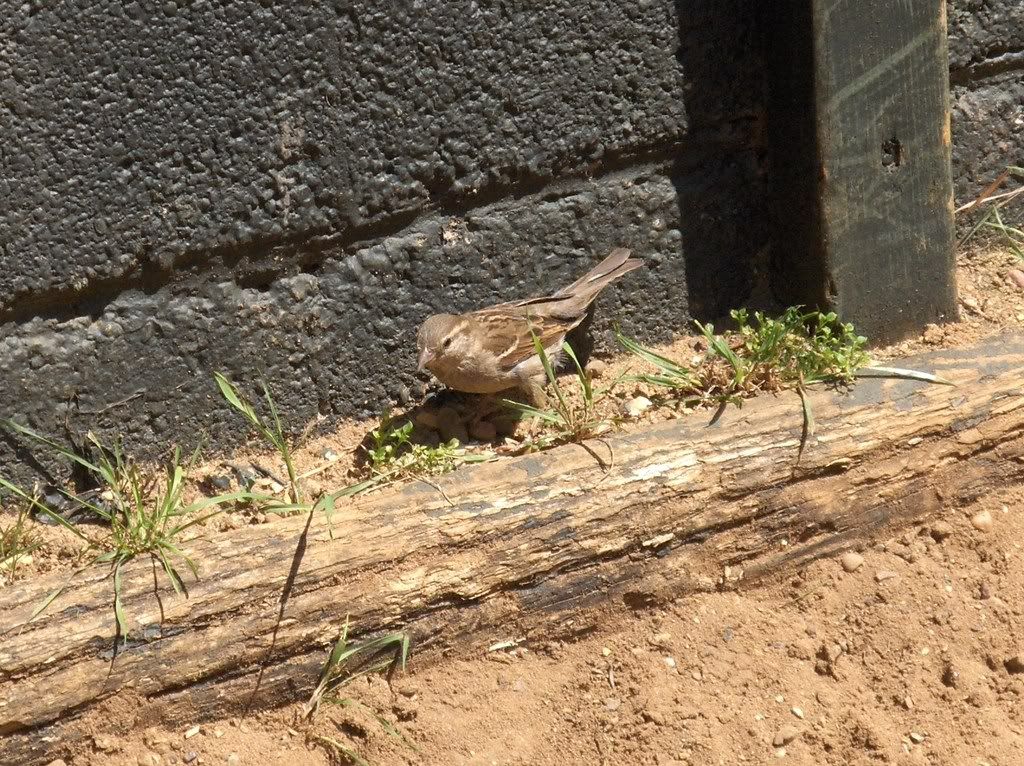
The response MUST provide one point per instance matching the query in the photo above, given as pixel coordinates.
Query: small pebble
(670, 662)
(449, 423)
(189, 733)
(636, 407)
(940, 530)
(606, 652)
(612, 704)
(483, 431)
(885, 574)
(933, 333)
(851, 561)
(1015, 664)
(798, 712)
(916, 737)
(191, 756)
(1016, 277)
(971, 303)
(149, 759)
(596, 368)
(982, 521)
(106, 744)
(233, 759)
(785, 735)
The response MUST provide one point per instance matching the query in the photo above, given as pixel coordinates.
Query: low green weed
(144, 516)
(792, 352)
(393, 455)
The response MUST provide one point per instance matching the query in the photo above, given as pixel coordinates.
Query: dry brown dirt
(914, 657)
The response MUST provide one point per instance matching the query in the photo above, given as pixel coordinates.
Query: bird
(492, 349)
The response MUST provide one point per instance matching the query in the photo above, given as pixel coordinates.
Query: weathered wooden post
(860, 149)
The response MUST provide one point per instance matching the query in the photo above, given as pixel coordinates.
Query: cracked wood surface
(536, 545)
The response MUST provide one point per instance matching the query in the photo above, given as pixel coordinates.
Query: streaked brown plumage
(491, 350)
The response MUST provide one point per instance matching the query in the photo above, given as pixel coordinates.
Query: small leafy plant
(145, 517)
(570, 418)
(393, 455)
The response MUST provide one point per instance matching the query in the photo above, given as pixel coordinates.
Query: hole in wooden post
(892, 154)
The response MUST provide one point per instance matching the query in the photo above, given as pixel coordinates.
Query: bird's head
(437, 339)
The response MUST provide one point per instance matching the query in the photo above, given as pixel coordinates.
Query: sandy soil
(912, 657)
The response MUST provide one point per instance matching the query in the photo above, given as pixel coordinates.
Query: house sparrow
(491, 350)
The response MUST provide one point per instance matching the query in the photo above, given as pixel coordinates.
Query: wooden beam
(860, 147)
(535, 546)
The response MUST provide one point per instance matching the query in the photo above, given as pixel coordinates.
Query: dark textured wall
(289, 188)
(986, 50)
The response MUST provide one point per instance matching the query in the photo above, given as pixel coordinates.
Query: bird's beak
(424, 360)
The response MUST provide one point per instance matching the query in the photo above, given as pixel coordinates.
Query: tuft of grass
(995, 203)
(792, 352)
(767, 354)
(346, 662)
(145, 516)
(350, 660)
(570, 419)
(271, 431)
(17, 541)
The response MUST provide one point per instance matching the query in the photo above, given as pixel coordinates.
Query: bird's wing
(507, 331)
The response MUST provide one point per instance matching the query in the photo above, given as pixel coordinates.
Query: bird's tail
(584, 290)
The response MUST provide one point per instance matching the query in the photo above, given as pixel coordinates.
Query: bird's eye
(447, 343)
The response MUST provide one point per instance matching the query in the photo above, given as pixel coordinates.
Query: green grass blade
(717, 344)
(26, 431)
(230, 393)
(675, 374)
(326, 504)
(549, 370)
(533, 412)
(53, 595)
(44, 509)
(808, 421)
